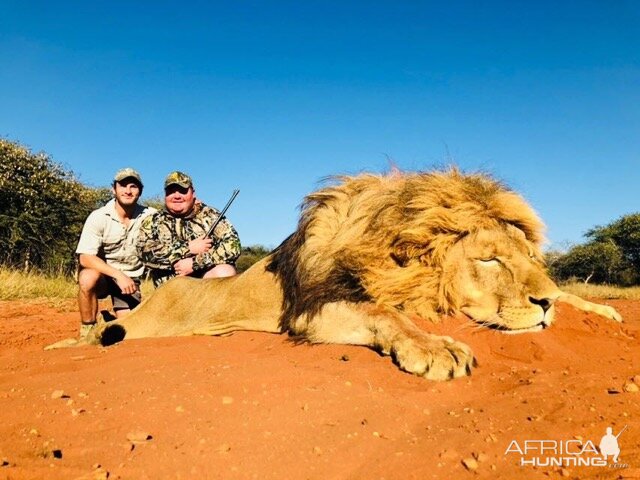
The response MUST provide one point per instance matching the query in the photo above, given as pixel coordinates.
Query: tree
(625, 233)
(597, 262)
(251, 255)
(42, 209)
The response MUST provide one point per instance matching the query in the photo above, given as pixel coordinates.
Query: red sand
(254, 405)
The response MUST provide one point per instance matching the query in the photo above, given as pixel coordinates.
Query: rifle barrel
(620, 433)
(226, 207)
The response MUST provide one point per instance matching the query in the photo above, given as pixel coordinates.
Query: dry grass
(19, 285)
(601, 291)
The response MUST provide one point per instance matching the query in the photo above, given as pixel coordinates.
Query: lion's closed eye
(489, 262)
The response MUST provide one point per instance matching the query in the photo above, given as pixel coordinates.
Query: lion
(371, 253)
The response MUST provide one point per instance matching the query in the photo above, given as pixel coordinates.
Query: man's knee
(219, 271)
(88, 279)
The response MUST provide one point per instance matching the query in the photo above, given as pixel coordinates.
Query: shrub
(251, 255)
(42, 210)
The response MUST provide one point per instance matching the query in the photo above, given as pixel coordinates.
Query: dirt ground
(254, 405)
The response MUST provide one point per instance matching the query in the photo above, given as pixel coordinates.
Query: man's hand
(200, 245)
(184, 267)
(127, 286)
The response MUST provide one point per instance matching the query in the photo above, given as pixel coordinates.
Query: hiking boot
(86, 329)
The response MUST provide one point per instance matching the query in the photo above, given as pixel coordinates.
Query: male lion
(370, 253)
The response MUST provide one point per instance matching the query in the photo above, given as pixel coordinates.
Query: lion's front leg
(586, 306)
(413, 350)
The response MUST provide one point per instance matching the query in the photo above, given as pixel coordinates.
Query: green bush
(42, 210)
(611, 255)
(251, 255)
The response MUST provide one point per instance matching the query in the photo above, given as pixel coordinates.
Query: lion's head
(424, 243)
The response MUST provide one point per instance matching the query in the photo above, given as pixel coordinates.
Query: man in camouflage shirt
(172, 242)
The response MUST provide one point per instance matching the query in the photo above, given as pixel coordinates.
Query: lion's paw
(434, 357)
(608, 312)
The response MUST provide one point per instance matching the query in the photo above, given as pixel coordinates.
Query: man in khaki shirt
(109, 264)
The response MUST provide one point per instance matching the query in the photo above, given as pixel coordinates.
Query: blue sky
(270, 97)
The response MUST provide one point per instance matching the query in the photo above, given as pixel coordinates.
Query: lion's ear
(426, 247)
(403, 251)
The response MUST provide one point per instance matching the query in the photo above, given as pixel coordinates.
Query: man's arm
(127, 286)
(90, 243)
(158, 246)
(226, 246)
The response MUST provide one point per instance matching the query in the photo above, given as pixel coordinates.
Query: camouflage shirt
(164, 239)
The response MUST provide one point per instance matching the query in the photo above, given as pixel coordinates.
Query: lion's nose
(544, 303)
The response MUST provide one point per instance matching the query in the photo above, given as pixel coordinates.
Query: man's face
(127, 192)
(179, 200)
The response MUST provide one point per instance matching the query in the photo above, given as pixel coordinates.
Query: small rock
(317, 450)
(344, 358)
(56, 453)
(470, 464)
(180, 409)
(4, 462)
(491, 438)
(224, 448)
(481, 457)
(58, 394)
(77, 412)
(82, 395)
(636, 379)
(100, 474)
(631, 387)
(138, 436)
(227, 400)
(565, 472)
(34, 432)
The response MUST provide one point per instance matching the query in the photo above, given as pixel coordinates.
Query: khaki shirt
(107, 237)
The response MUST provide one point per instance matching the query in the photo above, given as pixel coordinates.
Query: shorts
(108, 287)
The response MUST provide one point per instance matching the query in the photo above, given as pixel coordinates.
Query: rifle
(620, 433)
(226, 207)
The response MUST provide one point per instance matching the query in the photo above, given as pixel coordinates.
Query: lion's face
(500, 281)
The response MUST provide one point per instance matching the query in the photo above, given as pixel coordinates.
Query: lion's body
(370, 253)
(251, 301)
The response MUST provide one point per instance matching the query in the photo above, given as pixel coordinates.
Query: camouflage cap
(127, 173)
(178, 178)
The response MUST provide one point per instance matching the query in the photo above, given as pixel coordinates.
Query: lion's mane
(383, 239)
